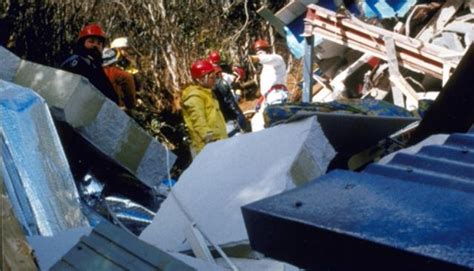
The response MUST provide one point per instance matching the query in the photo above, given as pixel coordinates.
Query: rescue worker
(229, 107)
(214, 57)
(87, 59)
(273, 88)
(201, 111)
(122, 81)
(127, 53)
(225, 72)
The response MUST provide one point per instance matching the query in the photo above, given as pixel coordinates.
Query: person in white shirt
(273, 88)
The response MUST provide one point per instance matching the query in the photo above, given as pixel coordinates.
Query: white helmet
(120, 43)
(109, 56)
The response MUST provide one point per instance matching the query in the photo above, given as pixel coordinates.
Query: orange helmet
(260, 45)
(214, 57)
(92, 30)
(201, 68)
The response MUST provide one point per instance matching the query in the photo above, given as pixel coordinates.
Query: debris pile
(89, 189)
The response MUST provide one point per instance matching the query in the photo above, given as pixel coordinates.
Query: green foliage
(169, 34)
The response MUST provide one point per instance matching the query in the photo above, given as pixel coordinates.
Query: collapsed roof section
(401, 51)
(108, 247)
(72, 99)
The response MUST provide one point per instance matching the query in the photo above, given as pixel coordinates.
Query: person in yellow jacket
(201, 111)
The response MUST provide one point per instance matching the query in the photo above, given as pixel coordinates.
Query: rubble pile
(87, 188)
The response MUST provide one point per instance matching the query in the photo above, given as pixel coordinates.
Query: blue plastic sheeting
(372, 8)
(293, 30)
(386, 8)
(33, 165)
(296, 48)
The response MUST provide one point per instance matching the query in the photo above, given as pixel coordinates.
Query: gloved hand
(243, 123)
(257, 107)
(259, 103)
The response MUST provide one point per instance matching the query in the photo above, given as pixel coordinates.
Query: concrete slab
(230, 173)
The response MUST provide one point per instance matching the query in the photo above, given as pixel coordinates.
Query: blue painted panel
(361, 221)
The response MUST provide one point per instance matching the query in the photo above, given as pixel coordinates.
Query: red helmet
(217, 67)
(214, 57)
(239, 71)
(92, 30)
(201, 68)
(260, 45)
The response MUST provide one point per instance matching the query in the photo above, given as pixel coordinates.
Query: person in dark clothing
(87, 59)
(227, 103)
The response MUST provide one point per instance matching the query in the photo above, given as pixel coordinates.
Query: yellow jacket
(202, 116)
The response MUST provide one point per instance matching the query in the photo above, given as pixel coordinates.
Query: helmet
(120, 43)
(217, 67)
(240, 71)
(214, 57)
(201, 68)
(260, 45)
(92, 30)
(109, 56)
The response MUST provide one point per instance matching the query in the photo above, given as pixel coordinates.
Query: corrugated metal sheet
(414, 213)
(450, 164)
(110, 248)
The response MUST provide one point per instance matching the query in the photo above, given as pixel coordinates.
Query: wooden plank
(368, 33)
(15, 251)
(198, 244)
(337, 83)
(374, 32)
(293, 10)
(406, 60)
(398, 82)
(351, 32)
(439, 20)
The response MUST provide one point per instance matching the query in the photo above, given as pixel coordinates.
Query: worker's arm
(254, 59)
(127, 86)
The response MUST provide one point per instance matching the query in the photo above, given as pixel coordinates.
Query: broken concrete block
(230, 173)
(72, 99)
(33, 165)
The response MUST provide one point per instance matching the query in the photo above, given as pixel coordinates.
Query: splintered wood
(349, 31)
